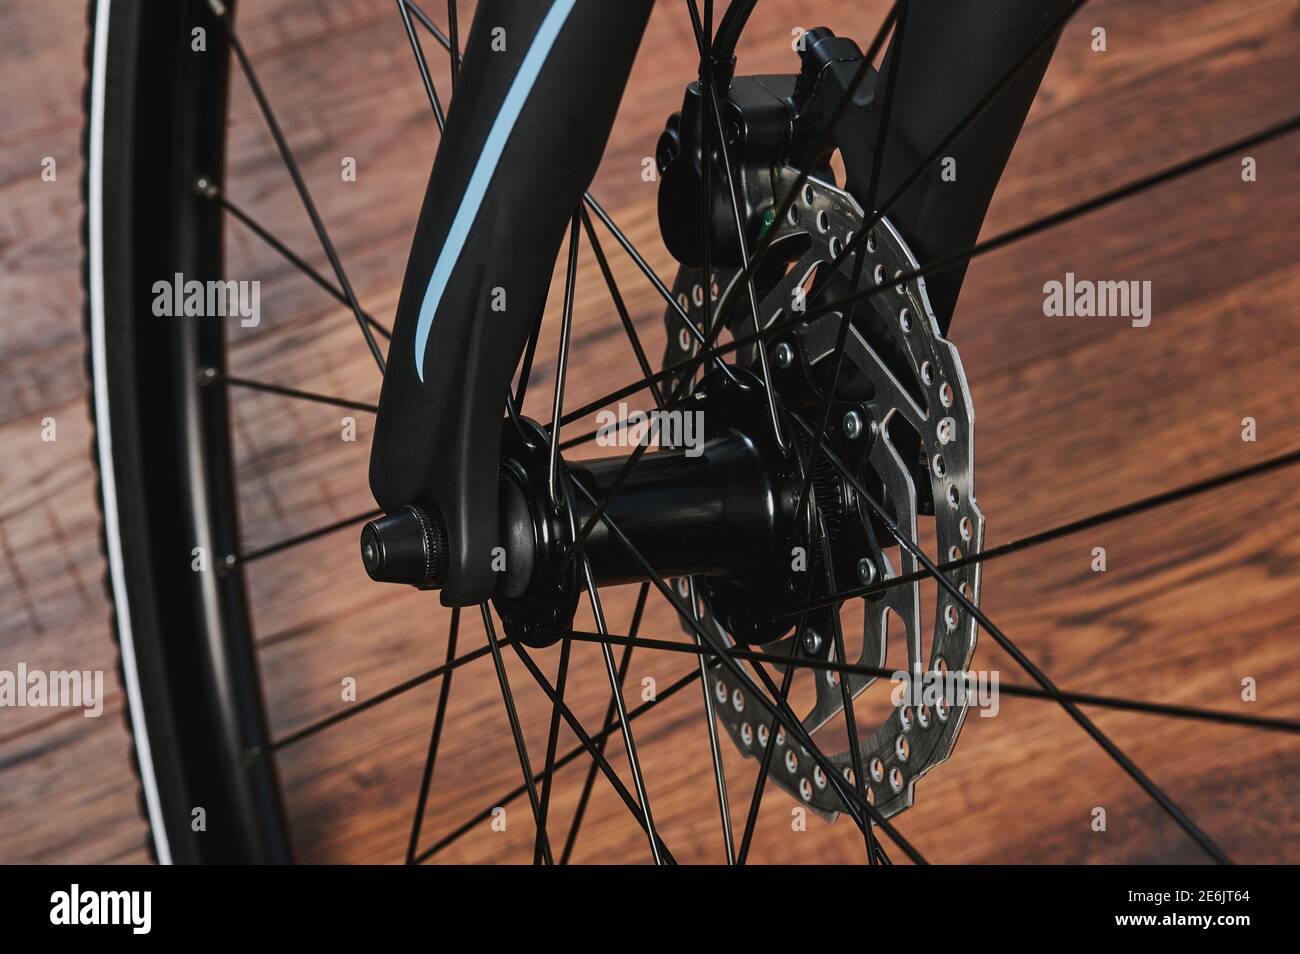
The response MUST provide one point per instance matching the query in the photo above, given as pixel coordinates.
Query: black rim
(202, 701)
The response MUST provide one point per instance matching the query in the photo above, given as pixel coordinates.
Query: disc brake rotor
(919, 424)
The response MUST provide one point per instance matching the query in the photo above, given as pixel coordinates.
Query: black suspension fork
(539, 87)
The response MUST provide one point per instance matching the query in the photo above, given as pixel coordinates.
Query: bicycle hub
(723, 510)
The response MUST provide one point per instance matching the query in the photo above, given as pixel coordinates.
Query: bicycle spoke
(886, 108)
(715, 108)
(1063, 216)
(575, 548)
(859, 260)
(619, 305)
(552, 739)
(453, 42)
(253, 755)
(562, 366)
(765, 764)
(526, 368)
(1010, 689)
(515, 729)
(610, 710)
(213, 376)
(233, 560)
(1163, 499)
(617, 691)
(301, 186)
(705, 42)
(661, 852)
(707, 68)
(1111, 749)
(427, 22)
(586, 438)
(846, 695)
(655, 280)
(426, 779)
(423, 65)
(715, 749)
(209, 190)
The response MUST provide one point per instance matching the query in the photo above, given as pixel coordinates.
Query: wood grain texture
(1074, 416)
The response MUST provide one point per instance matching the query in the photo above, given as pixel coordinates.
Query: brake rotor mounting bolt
(784, 355)
(812, 642)
(852, 425)
(866, 571)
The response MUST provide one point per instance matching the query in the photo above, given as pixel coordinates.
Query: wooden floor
(1074, 417)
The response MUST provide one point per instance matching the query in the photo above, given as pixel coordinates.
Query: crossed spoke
(209, 190)
(611, 710)
(765, 763)
(586, 744)
(426, 779)
(846, 693)
(517, 732)
(715, 747)
(616, 692)
(291, 164)
(404, 8)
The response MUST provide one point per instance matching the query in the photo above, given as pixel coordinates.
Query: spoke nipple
(784, 355)
(218, 7)
(852, 425)
(205, 187)
(207, 375)
(866, 571)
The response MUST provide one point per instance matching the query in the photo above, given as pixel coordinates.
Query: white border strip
(104, 436)
(485, 168)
